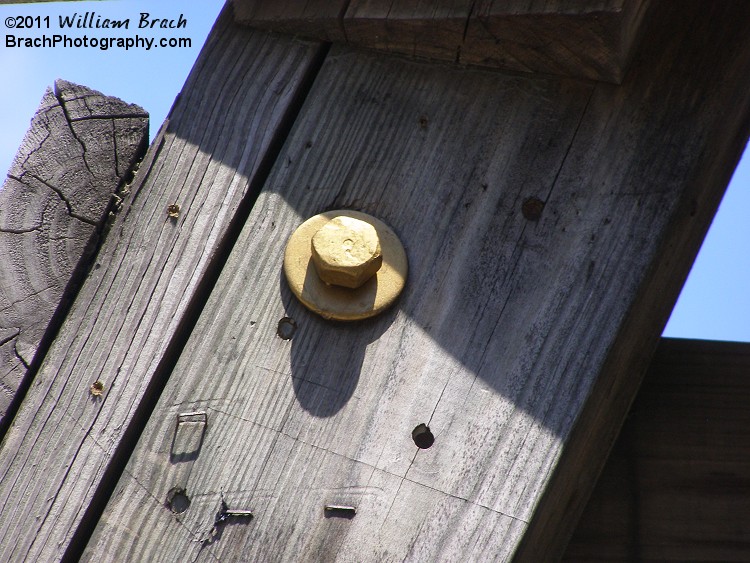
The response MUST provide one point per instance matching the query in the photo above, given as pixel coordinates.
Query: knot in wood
(346, 252)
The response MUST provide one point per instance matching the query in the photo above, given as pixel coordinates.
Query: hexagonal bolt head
(346, 252)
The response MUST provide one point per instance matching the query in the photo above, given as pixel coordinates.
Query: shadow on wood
(326, 357)
(676, 486)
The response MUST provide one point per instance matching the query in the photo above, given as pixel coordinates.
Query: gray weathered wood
(520, 343)
(317, 19)
(593, 39)
(675, 487)
(328, 417)
(78, 151)
(144, 286)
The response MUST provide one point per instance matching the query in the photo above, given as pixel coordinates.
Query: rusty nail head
(97, 388)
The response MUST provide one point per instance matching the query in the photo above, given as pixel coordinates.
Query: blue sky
(714, 304)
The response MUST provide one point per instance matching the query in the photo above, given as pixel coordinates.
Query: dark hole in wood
(286, 329)
(177, 500)
(532, 208)
(422, 436)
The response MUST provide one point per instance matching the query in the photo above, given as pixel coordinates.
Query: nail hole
(177, 501)
(532, 208)
(286, 329)
(422, 436)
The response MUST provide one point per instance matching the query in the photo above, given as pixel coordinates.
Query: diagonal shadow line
(126, 446)
(467, 199)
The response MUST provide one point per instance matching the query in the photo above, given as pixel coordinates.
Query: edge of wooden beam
(77, 155)
(569, 488)
(585, 40)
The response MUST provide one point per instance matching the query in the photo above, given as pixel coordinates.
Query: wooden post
(210, 159)
(549, 223)
(78, 153)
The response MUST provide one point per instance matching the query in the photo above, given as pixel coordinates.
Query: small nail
(340, 510)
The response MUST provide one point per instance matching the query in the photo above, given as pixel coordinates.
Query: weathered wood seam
(342, 15)
(731, 151)
(126, 445)
(77, 275)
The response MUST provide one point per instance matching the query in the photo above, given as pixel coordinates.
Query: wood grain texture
(676, 486)
(145, 284)
(593, 39)
(79, 150)
(687, 100)
(510, 332)
(328, 416)
(317, 19)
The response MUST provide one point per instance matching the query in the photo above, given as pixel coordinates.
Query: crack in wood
(57, 191)
(64, 109)
(109, 116)
(11, 231)
(11, 337)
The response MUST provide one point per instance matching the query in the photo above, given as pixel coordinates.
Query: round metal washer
(341, 303)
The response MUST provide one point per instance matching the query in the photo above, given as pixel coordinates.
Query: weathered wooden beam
(79, 150)
(316, 19)
(549, 225)
(150, 278)
(675, 487)
(592, 39)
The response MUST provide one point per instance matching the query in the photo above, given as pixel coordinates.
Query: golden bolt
(350, 248)
(346, 252)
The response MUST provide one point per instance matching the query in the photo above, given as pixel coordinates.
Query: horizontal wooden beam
(80, 149)
(591, 39)
(675, 487)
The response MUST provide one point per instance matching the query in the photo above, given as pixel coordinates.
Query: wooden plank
(676, 485)
(593, 39)
(79, 150)
(434, 30)
(316, 19)
(520, 342)
(390, 138)
(149, 280)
